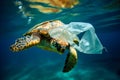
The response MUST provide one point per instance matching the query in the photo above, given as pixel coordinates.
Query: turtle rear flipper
(71, 60)
(25, 42)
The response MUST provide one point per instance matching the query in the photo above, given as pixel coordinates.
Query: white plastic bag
(89, 43)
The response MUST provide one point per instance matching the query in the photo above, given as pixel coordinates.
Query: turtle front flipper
(71, 60)
(25, 42)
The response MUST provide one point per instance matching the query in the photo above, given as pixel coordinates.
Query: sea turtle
(58, 37)
(39, 35)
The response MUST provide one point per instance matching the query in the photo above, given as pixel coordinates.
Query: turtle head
(24, 42)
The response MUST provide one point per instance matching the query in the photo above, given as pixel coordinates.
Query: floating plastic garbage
(89, 43)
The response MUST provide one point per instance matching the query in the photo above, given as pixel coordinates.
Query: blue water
(37, 64)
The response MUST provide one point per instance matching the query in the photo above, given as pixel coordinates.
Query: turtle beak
(71, 60)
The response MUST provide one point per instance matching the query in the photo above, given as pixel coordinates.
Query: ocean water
(37, 64)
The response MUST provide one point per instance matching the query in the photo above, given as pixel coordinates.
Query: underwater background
(36, 64)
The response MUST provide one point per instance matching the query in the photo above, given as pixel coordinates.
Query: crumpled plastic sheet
(88, 43)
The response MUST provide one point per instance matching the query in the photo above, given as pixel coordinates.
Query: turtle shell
(55, 29)
(44, 27)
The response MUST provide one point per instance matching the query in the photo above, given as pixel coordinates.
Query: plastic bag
(89, 43)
